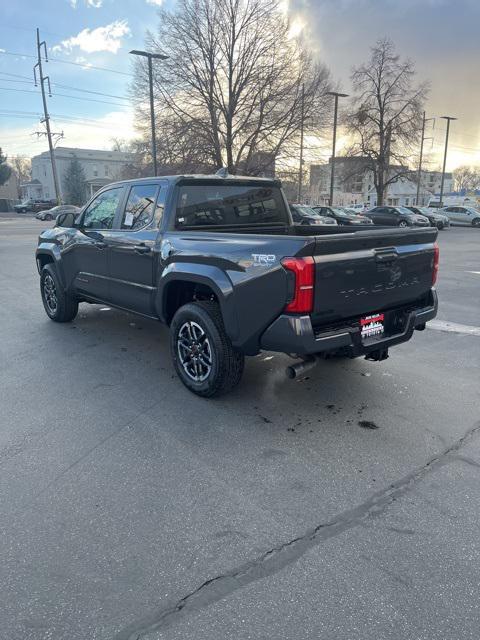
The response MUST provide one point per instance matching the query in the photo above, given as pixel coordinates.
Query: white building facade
(100, 168)
(354, 184)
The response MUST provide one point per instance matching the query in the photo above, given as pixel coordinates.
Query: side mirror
(66, 219)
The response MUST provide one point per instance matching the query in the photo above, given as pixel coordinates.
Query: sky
(90, 67)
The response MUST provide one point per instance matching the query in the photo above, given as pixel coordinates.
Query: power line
(91, 66)
(36, 114)
(65, 95)
(76, 64)
(27, 80)
(14, 75)
(98, 93)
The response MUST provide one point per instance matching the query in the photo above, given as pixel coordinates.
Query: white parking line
(475, 272)
(453, 327)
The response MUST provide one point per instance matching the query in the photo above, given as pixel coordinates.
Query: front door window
(100, 213)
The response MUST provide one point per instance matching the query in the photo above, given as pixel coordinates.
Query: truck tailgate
(369, 271)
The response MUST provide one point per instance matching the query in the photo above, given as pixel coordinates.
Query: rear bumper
(296, 335)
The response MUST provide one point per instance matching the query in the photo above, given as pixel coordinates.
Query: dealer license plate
(372, 326)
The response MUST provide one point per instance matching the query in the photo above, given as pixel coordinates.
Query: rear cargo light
(303, 270)
(436, 258)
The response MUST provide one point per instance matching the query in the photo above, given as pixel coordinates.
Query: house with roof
(99, 166)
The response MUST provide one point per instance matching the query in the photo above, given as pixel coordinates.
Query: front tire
(202, 353)
(440, 226)
(59, 306)
(49, 218)
(403, 224)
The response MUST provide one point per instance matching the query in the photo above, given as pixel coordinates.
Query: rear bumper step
(296, 335)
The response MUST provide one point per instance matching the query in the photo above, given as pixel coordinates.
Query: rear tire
(202, 353)
(476, 222)
(59, 306)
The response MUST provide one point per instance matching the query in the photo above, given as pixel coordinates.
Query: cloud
(107, 38)
(83, 61)
(95, 4)
(158, 3)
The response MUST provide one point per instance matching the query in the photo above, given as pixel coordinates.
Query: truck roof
(228, 179)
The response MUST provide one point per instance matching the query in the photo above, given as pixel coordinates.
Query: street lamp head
(336, 93)
(448, 118)
(148, 54)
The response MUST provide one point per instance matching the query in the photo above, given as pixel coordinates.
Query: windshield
(209, 204)
(404, 210)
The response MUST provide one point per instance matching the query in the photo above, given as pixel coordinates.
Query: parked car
(356, 208)
(219, 260)
(396, 217)
(436, 219)
(462, 215)
(302, 214)
(342, 216)
(33, 205)
(51, 214)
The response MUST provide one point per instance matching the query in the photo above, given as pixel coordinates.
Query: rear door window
(207, 205)
(140, 206)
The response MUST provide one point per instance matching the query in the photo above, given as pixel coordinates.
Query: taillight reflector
(304, 272)
(436, 259)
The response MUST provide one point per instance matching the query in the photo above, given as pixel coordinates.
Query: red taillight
(436, 258)
(304, 273)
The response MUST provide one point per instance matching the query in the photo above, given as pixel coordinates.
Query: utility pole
(46, 119)
(336, 96)
(149, 56)
(419, 174)
(448, 119)
(300, 169)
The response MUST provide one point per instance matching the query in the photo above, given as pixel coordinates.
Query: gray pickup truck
(220, 261)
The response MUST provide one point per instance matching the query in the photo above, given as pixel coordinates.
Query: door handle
(142, 248)
(386, 256)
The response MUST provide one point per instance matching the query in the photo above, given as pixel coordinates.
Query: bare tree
(467, 178)
(385, 115)
(230, 93)
(22, 168)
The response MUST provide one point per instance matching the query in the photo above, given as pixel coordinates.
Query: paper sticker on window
(128, 222)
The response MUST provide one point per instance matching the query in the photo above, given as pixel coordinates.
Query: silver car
(51, 214)
(462, 215)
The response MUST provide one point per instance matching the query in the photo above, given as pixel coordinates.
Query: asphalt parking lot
(132, 509)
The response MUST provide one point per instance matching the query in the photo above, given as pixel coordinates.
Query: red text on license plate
(372, 325)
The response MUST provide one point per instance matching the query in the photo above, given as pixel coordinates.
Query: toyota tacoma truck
(219, 260)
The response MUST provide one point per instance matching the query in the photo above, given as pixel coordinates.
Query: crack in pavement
(277, 558)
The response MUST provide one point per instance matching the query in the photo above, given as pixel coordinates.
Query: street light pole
(447, 118)
(150, 56)
(336, 96)
(300, 169)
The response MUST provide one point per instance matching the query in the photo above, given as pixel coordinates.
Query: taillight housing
(436, 259)
(303, 270)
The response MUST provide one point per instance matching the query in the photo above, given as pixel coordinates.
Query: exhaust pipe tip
(298, 369)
